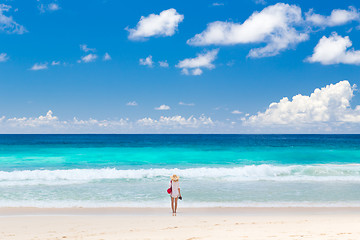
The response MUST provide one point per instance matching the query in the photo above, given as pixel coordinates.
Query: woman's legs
(176, 199)
(172, 205)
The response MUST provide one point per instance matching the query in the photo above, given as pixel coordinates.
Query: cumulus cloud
(7, 23)
(163, 64)
(39, 66)
(3, 57)
(275, 25)
(48, 119)
(330, 104)
(106, 57)
(203, 60)
(89, 58)
(336, 18)
(133, 103)
(333, 50)
(162, 107)
(55, 63)
(164, 24)
(147, 61)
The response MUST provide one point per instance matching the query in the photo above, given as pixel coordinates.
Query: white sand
(215, 223)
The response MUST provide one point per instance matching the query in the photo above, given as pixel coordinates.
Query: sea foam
(328, 172)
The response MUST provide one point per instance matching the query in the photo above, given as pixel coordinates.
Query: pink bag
(170, 188)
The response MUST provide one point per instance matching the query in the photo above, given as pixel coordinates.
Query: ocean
(215, 170)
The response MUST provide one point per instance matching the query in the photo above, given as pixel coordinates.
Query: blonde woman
(175, 192)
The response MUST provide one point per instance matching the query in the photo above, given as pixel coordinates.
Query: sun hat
(174, 177)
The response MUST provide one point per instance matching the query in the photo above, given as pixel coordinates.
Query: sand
(205, 223)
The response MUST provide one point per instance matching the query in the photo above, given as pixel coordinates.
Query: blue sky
(53, 59)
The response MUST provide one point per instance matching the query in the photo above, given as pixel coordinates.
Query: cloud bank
(52, 124)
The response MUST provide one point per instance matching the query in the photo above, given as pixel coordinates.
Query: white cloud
(176, 121)
(48, 119)
(334, 50)
(336, 18)
(274, 25)
(85, 48)
(7, 24)
(203, 60)
(3, 57)
(164, 24)
(55, 63)
(197, 72)
(89, 58)
(328, 105)
(100, 123)
(163, 64)
(163, 107)
(52, 124)
(217, 4)
(106, 57)
(186, 104)
(53, 7)
(147, 61)
(236, 112)
(262, 2)
(133, 103)
(48, 7)
(39, 66)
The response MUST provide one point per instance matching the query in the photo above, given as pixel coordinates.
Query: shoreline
(208, 211)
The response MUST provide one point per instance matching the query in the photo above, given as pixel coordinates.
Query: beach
(233, 187)
(190, 223)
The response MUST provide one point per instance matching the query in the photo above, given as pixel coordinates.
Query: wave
(327, 172)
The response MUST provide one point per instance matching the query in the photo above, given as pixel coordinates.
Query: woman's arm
(179, 192)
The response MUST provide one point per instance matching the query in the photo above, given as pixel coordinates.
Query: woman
(175, 192)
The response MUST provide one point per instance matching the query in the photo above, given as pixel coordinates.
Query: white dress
(175, 189)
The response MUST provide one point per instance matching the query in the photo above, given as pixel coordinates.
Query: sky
(250, 66)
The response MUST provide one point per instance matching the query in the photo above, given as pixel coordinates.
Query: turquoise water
(214, 170)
